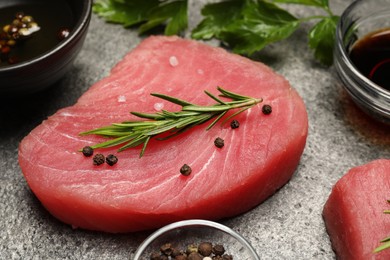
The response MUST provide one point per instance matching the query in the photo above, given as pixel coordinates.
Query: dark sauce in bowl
(53, 17)
(371, 56)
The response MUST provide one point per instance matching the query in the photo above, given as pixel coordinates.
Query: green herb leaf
(322, 38)
(128, 13)
(216, 21)
(247, 26)
(173, 13)
(318, 3)
(147, 13)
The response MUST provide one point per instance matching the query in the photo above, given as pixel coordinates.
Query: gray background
(288, 225)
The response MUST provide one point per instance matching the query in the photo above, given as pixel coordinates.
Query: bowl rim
(81, 23)
(344, 53)
(189, 223)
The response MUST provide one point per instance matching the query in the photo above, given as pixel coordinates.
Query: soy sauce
(371, 56)
(53, 17)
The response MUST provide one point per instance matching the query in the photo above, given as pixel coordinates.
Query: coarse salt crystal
(173, 61)
(200, 71)
(158, 106)
(121, 99)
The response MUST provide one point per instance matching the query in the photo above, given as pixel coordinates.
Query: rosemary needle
(133, 133)
(385, 243)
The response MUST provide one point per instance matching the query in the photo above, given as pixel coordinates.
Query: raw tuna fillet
(135, 194)
(354, 215)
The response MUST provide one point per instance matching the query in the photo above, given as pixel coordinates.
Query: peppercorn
(227, 257)
(219, 142)
(176, 252)
(166, 249)
(194, 256)
(205, 248)
(218, 249)
(185, 170)
(191, 249)
(87, 151)
(266, 109)
(111, 159)
(155, 256)
(181, 257)
(234, 124)
(98, 159)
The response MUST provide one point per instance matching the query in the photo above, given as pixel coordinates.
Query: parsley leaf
(147, 13)
(216, 21)
(322, 38)
(246, 26)
(128, 13)
(318, 3)
(255, 26)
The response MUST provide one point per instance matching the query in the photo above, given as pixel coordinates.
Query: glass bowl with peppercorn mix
(195, 239)
(39, 39)
(362, 55)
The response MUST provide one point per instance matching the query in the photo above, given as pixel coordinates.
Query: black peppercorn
(266, 109)
(227, 257)
(87, 151)
(194, 256)
(98, 159)
(218, 249)
(205, 248)
(219, 142)
(185, 170)
(234, 124)
(111, 159)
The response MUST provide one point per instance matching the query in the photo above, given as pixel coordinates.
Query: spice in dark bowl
(39, 39)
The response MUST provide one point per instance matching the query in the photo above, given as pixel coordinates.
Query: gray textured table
(286, 226)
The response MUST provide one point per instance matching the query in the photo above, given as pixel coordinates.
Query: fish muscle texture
(354, 215)
(135, 194)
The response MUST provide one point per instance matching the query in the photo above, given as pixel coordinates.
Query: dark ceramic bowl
(44, 69)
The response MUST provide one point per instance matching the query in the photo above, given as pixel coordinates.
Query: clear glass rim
(189, 223)
(344, 53)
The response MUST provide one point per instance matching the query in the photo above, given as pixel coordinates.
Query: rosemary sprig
(133, 133)
(385, 243)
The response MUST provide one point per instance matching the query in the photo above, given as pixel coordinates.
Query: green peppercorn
(87, 151)
(98, 159)
(192, 248)
(219, 142)
(185, 170)
(111, 159)
(266, 109)
(205, 248)
(234, 124)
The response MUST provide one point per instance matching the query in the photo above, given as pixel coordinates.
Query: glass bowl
(47, 67)
(193, 232)
(361, 18)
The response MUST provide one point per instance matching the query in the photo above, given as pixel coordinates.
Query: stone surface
(288, 225)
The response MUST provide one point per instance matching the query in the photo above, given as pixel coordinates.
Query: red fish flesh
(354, 215)
(135, 194)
